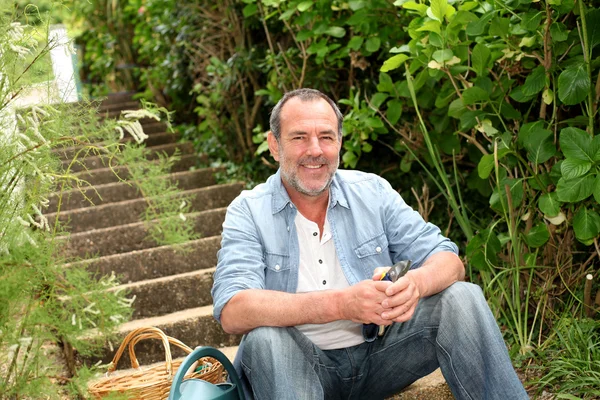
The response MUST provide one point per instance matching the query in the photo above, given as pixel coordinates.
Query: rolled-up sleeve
(409, 236)
(240, 263)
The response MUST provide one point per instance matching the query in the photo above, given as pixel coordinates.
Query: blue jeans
(454, 330)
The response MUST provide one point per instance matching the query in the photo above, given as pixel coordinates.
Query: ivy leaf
(549, 204)
(474, 95)
(597, 189)
(336, 31)
(586, 224)
(576, 143)
(574, 168)
(535, 82)
(574, 190)
(394, 111)
(537, 236)
(480, 58)
(373, 44)
(393, 62)
(573, 85)
(559, 32)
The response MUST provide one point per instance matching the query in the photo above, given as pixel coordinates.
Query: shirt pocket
(277, 271)
(373, 253)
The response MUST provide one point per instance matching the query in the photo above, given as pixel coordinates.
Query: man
(298, 274)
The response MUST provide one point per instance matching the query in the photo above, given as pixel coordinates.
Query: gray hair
(305, 95)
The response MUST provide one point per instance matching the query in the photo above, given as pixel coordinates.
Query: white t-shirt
(320, 270)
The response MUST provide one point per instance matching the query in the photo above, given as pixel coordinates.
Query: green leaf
(486, 163)
(537, 141)
(456, 108)
(500, 27)
(517, 95)
(378, 99)
(574, 190)
(304, 35)
(549, 204)
(393, 62)
(516, 193)
(305, 5)
(577, 144)
(480, 58)
(356, 42)
(250, 10)
(374, 122)
(596, 191)
(474, 95)
(586, 224)
(373, 44)
(535, 82)
(593, 25)
(385, 83)
(420, 8)
(531, 20)
(356, 5)
(336, 31)
(438, 9)
(537, 236)
(350, 159)
(394, 111)
(441, 56)
(431, 26)
(559, 32)
(574, 168)
(476, 28)
(573, 85)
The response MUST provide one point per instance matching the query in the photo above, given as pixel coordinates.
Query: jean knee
(464, 295)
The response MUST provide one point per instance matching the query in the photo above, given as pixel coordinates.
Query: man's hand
(401, 299)
(362, 302)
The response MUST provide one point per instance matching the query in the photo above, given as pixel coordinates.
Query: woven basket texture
(150, 383)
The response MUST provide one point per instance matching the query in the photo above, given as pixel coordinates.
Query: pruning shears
(397, 271)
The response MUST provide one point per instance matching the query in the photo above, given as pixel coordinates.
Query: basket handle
(198, 353)
(146, 333)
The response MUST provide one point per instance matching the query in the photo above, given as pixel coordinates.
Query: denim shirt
(370, 223)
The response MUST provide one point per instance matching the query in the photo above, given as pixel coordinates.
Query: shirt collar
(281, 198)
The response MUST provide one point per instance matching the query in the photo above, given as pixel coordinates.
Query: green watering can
(197, 389)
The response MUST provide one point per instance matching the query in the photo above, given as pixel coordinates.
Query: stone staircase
(172, 286)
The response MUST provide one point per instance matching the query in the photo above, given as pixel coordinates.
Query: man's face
(309, 148)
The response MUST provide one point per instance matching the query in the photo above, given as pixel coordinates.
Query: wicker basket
(151, 383)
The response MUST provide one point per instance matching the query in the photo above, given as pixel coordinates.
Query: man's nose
(314, 147)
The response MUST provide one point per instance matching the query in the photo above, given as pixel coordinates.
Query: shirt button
(277, 267)
(288, 228)
(314, 233)
(378, 249)
(320, 261)
(324, 282)
(291, 205)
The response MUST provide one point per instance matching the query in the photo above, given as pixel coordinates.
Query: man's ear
(273, 145)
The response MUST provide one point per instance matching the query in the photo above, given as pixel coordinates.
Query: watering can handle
(198, 353)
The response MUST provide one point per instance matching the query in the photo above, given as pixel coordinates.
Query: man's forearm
(438, 272)
(252, 308)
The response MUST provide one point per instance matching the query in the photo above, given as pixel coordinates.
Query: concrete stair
(171, 284)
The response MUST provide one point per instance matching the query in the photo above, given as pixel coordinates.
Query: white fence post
(62, 64)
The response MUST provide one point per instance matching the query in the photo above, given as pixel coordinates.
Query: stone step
(119, 191)
(131, 237)
(100, 161)
(123, 105)
(156, 262)
(194, 327)
(126, 212)
(156, 139)
(117, 98)
(106, 175)
(165, 295)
